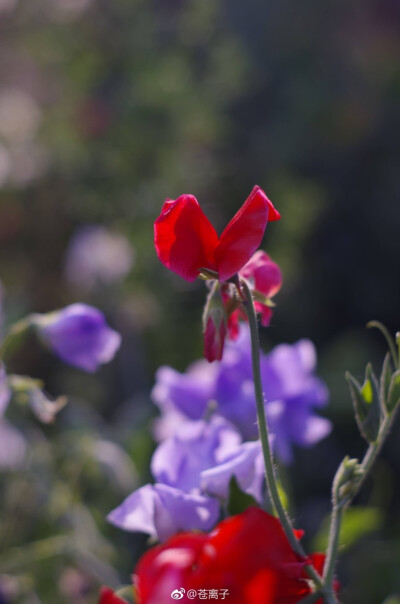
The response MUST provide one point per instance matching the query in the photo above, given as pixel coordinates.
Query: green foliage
(357, 523)
(367, 404)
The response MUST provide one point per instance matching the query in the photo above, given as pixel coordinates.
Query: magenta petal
(184, 238)
(243, 235)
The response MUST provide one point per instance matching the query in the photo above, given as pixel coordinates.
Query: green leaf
(366, 402)
(357, 522)
(394, 391)
(386, 376)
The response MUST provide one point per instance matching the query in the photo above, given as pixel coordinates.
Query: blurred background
(107, 107)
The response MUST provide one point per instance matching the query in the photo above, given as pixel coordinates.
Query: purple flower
(79, 335)
(246, 464)
(292, 392)
(162, 511)
(196, 446)
(192, 470)
(97, 255)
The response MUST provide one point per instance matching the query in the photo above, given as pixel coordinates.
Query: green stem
(264, 436)
(331, 554)
(337, 511)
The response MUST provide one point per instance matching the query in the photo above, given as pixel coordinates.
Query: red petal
(184, 238)
(266, 274)
(243, 235)
(273, 213)
(107, 596)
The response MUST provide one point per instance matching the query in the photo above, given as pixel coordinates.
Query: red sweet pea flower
(107, 596)
(247, 556)
(265, 279)
(186, 241)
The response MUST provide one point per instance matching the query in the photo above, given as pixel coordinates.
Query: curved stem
(329, 567)
(337, 511)
(264, 436)
(384, 331)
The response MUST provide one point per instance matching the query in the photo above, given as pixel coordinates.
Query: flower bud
(214, 325)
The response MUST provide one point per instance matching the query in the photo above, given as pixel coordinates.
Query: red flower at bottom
(247, 559)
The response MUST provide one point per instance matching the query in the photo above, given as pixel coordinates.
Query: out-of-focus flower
(192, 468)
(292, 391)
(96, 256)
(44, 407)
(247, 557)
(19, 116)
(7, 5)
(107, 596)
(186, 241)
(79, 335)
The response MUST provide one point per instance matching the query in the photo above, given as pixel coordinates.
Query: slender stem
(337, 511)
(337, 514)
(264, 436)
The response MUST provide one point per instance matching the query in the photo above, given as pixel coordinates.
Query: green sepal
(366, 402)
(394, 392)
(384, 384)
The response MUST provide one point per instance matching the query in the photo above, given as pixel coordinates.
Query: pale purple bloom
(161, 511)
(97, 255)
(291, 390)
(79, 335)
(192, 470)
(246, 464)
(196, 446)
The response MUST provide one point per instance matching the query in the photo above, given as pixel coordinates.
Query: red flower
(186, 241)
(107, 596)
(265, 279)
(248, 556)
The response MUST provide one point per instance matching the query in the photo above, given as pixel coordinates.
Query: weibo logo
(177, 594)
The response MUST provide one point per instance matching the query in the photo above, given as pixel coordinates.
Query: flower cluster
(291, 389)
(196, 459)
(192, 471)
